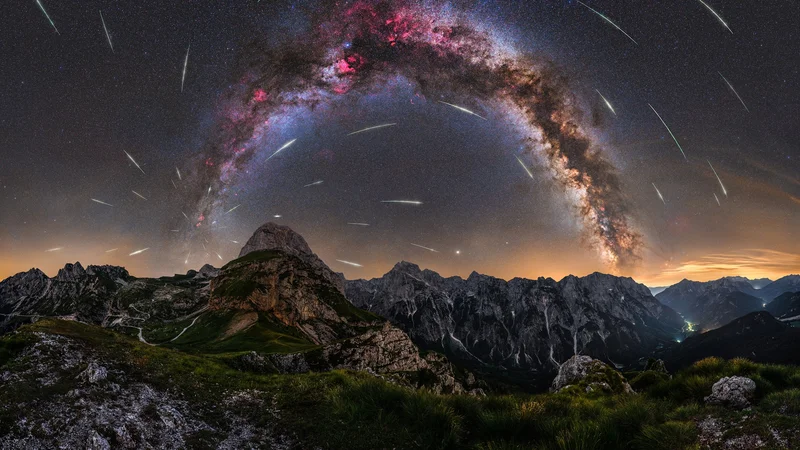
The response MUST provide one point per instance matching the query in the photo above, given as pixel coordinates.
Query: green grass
(345, 410)
(263, 255)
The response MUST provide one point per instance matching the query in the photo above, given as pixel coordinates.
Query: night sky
(263, 74)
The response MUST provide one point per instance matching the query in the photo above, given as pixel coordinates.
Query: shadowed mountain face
(757, 336)
(711, 304)
(786, 306)
(530, 325)
(789, 283)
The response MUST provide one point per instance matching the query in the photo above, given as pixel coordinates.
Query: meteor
(283, 147)
(372, 128)
(235, 242)
(730, 86)
(138, 195)
(48, 16)
(405, 202)
(101, 202)
(185, 63)
(461, 108)
(609, 21)
(724, 191)
(175, 231)
(349, 263)
(139, 251)
(659, 194)
(314, 183)
(106, 30)
(233, 208)
(717, 199)
(184, 215)
(669, 131)
(426, 248)
(716, 15)
(133, 161)
(186, 261)
(359, 224)
(524, 166)
(53, 249)
(218, 255)
(173, 184)
(179, 174)
(112, 250)
(607, 102)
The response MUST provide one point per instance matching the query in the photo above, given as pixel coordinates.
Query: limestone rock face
(735, 392)
(590, 373)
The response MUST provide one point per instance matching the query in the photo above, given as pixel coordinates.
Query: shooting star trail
(724, 191)
(717, 199)
(659, 194)
(101, 202)
(184, 215)
(524, 166)
(173, 184)
(108, 36)
(349, 263)
(314, 183)
(461, 108)
(405, 202)
(218, 256)
(730, 86)
(721, 20)
(232, 208)
(112, 250)
(138, 195)
(358, 224)
(139, 251)
(186, 261)
(38, 2)
(283, 147)
(133, 161)
(235, 242)
(53, 249)
(185, 63)
(179, 174)
(609, 21)
(607, 102)
(372, 128)
(426, 248)
(669, 131)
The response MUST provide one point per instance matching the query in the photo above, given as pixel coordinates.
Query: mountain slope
(711, 304)
(785, 306)
(789, 283)
(521, 325)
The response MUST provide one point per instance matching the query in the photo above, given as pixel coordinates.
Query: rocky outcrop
(735, 392)
(522, 325)
(589, 375)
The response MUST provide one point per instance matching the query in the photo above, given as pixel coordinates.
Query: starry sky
(490, 154)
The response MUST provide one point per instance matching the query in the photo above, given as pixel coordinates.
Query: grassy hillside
(344, 410)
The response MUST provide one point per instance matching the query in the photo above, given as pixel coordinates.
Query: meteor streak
(314, 183)
(235, 242)
(101, 202)
(607, 102)
(185, 63)
(218, 255)
(138, 195)
(53, 249)
(461, 108)
(48, 16)
(609, 21)
(133, 161)
(112, 250)
(659, 194)
(372, 128)
(360, 224)
(283, 147)
(233, 208)
(426, 248)
(349, 263)
(179, 174)
(186, 261)
(139, 251)
(717, 199)
(724, 191)
(184, 215)
(405, 202)
(106, 30)
(669, 131)
(716, 15)
(524, 166)
(730, 86)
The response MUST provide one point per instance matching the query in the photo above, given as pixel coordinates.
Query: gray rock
(594, 374)
(735, 392)
(94, 373)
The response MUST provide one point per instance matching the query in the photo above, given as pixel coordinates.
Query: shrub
(785, 402)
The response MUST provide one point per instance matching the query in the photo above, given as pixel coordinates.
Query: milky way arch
(354, 47)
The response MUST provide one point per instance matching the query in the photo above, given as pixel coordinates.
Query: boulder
(735, 392)
(590, 375)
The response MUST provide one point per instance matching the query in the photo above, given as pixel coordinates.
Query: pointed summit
(272, 236)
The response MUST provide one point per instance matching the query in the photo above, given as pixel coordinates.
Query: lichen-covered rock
(589, 374)
(735, 392)
(656, 365)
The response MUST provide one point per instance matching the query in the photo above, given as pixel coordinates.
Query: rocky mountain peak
(71, 272)
(406, 267)
(112, 272)
(272, 236)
